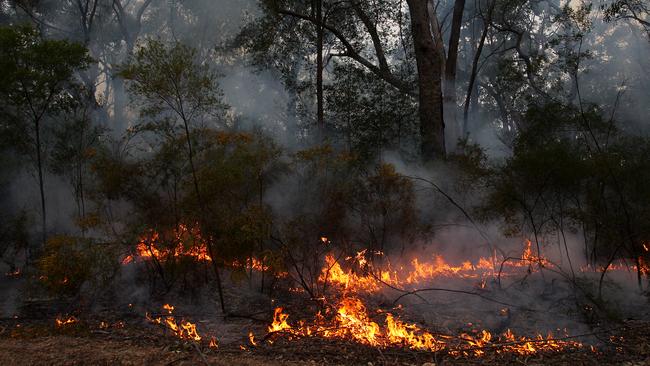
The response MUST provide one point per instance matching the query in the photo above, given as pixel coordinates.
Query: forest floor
(134, 342)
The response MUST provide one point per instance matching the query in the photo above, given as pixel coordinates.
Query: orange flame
(188, 243)
(183, 330)
(353, 322)
(213, 343)
(60, 322)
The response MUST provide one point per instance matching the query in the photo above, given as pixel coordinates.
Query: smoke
(258, 100)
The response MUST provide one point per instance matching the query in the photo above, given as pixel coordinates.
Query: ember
(60, 322)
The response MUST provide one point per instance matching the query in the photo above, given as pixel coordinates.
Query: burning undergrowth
(425, 304)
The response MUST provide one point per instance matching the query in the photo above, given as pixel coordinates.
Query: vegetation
(397, 120)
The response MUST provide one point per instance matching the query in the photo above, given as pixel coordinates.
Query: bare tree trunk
(428, 61)
(210, 245)
(474, 72)
(39, 162)
(119, 104)
(453, 124)
(319, 66)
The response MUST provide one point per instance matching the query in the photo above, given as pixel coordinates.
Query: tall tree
(172, 82)
(361, 33)
(34, 84)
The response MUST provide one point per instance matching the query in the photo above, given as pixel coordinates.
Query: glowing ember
(251, 339)
(169, 308)
(15, 273)
(213, 343)
(60, 322)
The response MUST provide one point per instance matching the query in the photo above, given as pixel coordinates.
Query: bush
(70, 262)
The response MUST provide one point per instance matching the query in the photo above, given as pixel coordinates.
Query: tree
(635, 11)
(36, 79)
(172, 83)
(75, 144)
(361, 33)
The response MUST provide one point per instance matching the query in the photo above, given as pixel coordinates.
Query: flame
(365, 277)
(352, 322)
(169, 308)
(60, 322)
(183, 330)
(188, 243)
(15, 273)
(349, 318)
(251, 339)
(213, 343)
(279, 321)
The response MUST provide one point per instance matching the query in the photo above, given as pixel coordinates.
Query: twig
(457, 205)
(415, 292)
(196, 347)
(176, 360)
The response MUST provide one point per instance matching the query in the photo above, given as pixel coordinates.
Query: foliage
(36, 83)
(35, 78)
(370, 115)
(14, 239)
(573, 170)
(173, 78)
(69, 262)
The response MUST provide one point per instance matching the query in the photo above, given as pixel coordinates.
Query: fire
(363, 276)
(279, 321)
(352, 322)
(183, 330)
(15, 273)
(187, 242)
(60, 322)
(352, 319)
(251, 339)
(213, 343)
(169, 308)
(410, 335)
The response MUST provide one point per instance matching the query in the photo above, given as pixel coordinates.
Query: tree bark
(320, 115)
(474, 73)
(428, 61)
(453, 125)
(39, 162)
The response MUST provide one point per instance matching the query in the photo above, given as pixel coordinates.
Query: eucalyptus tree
(172, 85)
(380, 37)
(35, 84)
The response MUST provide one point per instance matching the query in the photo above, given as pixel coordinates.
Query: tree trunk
(472, 94)
(428, 61)
(472, 80)
(320, 115)
(454, 127)
(210, 244)
(119, 105)
(39, 162)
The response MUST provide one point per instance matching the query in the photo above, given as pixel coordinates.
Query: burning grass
(344, 316)
(352, 321)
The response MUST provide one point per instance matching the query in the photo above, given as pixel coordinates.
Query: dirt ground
(42, 343)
